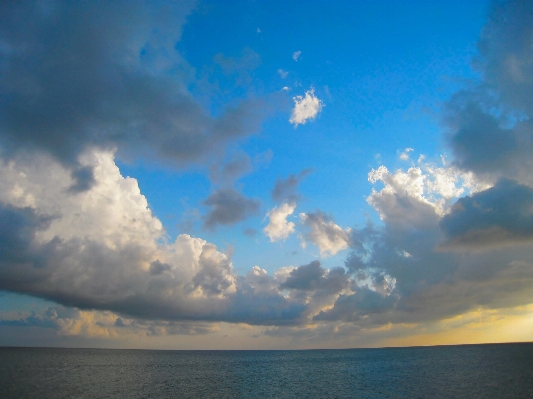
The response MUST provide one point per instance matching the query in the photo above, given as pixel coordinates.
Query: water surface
(469, 371)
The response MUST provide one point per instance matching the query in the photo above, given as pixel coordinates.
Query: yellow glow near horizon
(480, 326)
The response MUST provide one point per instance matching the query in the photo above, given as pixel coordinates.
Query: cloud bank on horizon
(88, 86)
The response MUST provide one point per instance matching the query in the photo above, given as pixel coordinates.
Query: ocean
(466, 371)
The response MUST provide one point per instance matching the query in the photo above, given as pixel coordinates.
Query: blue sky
(254, 174)
(380, 80)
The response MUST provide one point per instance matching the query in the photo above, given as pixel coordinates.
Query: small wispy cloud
(296, 55)
(404, 156)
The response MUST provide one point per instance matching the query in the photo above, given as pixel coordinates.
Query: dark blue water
(473, 371)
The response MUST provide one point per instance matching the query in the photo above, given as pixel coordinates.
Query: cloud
(313, 277)
(402, 199)
(324, 233)
(429, 188)
(404, 156)
(228, 207)
(505, 46)
(354, 307)
(429, 262)
(101, 324)
(305, 108)
(214, 276)
(434, 256)
(250, 232)
(283, 74)
(121, 261)
(296, 55)
(239, 67)
(229, 172)
(80, 75)
(285, 189)
(83, 179)
(501, 215)
(278, 227)
(489, 125)
(115, 262)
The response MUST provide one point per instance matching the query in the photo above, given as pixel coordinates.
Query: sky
(265, 174)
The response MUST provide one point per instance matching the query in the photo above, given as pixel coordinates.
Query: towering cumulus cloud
(103, 249)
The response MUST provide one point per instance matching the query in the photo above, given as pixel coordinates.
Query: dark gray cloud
(285, 189)
(353, 307)
(29, 321)
(158, 267)
(312, 277)
(80, 74)
(505, 47)
(229, 172)
(228, 207)
(18, 227)
(488, 144)
(491, 132)
(415, 277)
(83, 177)
(503, 214)
(61, 319)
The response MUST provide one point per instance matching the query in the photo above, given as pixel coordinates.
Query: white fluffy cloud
(102, 248)
(305, 108)
(296, 55)
(325, 234)
(428, 187)
(278, 227)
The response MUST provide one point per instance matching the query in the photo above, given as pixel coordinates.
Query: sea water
(468, 371)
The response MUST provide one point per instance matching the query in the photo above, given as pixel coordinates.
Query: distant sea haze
(467, 371)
